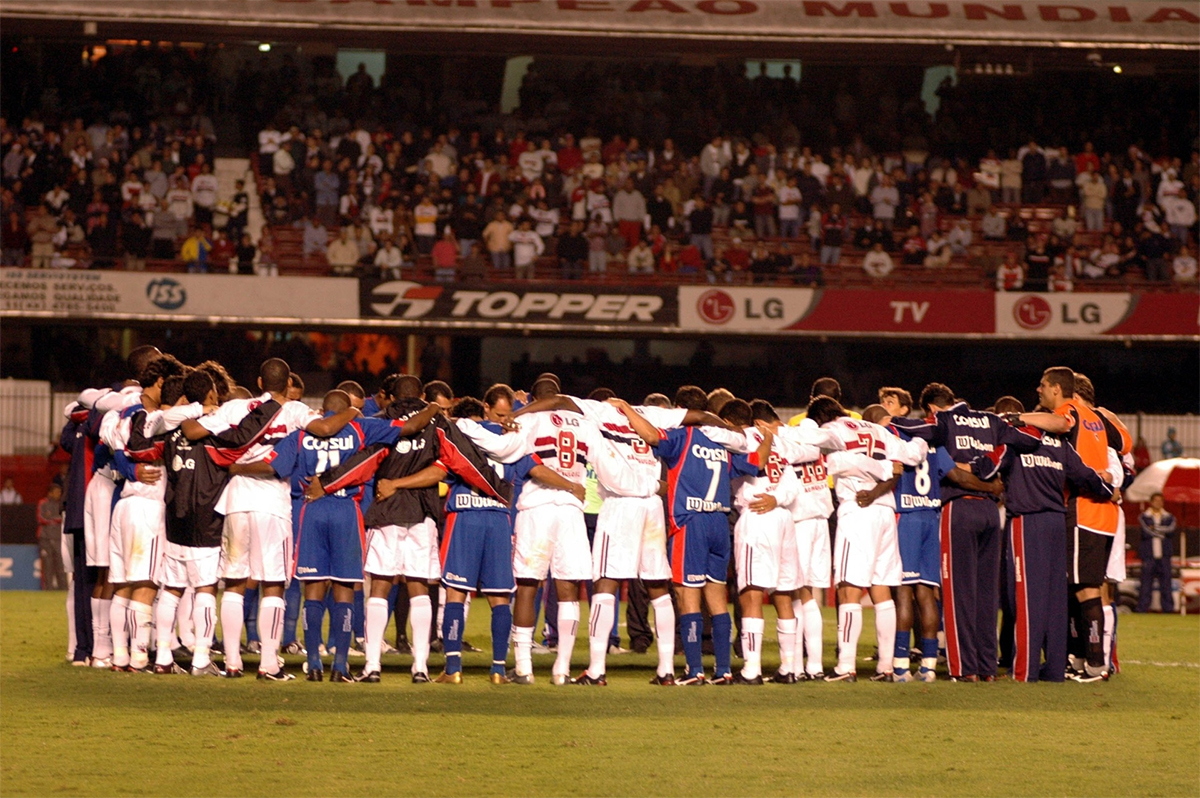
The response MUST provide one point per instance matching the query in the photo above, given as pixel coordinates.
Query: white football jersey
(564, 442)
(775, 477)
(867, 460)
(643, 469)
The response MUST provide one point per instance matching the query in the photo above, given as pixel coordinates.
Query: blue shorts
(699, 550)
(920, 547)
(477, 552)
(329, 543)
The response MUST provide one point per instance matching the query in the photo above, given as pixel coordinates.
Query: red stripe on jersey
(953, 655)
(463, 467)
(449, 533)
(673, 481)
(1023, 648)
(678, 547)
(227, 457)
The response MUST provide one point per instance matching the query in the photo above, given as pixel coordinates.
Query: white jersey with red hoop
(256, 494)
(639, 478)
(864, 464)
(565, 442)
(804, 448)
(775, 477)
(116, 437)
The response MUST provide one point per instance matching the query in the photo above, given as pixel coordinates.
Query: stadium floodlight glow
(1117, 68)
(264, 47)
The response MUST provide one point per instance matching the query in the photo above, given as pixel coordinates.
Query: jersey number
(327, 459)
(715, 466)
(812, 473)
(774, 469)
(922, 482)
(865, 441)
(566, 445)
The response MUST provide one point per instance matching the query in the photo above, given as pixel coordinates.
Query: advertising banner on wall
(44, 293)
(1081, 315)
(539, 306)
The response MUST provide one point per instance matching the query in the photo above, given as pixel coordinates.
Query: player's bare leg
(524, 618)
(567, 625)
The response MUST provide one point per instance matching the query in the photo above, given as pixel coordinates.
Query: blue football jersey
(698, 473)
(919, 487)
(301, 455)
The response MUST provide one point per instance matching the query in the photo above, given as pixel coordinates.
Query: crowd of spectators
(486, 193)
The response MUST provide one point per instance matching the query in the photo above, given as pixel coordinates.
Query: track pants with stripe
(970, 543)
(1036, 594)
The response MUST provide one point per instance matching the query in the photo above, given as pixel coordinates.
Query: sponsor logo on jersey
(1032, 312)
(403, 299)
(694, 505)
(964, 442)
(971, 421)
(1034, 460)
(715, 306)
(707, 453)
(909, 501)
(166, 293)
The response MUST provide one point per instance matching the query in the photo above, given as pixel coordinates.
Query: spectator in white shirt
(789, 209)
(269, 139)
(9, 494)
(960, 237)
(641, 259)
(389, 260)
(1011, 275)
(527, 248)
(342, 253)
(1184, 266)
(545, 219)
(878, 263)
(204, 194)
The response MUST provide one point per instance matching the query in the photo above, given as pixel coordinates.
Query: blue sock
(501, 630)
(341, 626)
(360, 613)
(929, 648)
(291, 613)
(722, 626)
(250, 615)
(452, 632)
(690, 627)
(314, 616)
(903, 641)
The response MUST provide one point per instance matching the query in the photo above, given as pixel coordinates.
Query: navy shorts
(477, 552)
(329, 541)
(699, 550)
(920, 547)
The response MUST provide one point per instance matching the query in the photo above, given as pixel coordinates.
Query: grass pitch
(73, 731)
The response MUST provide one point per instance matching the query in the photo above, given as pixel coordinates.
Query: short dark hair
(762, 410)
(141, 357)
(389, 384)
(467, 407)
(601, 394)
(172, 389)
(296, 381)
(717, 398)
(336, 401)
(657, 400)
(824, 409)
(902, 396)
(1084, 388)
(826, 386)
(1008, 404)
(222, 382)
(936, 393)
(737, 412)
(691, 397)
(196, 386)
(275, 375)
(406, 386)
(161, 367)
(1159, 494)
(497, 392)
(544, 387)
(435, 388)
(1063, 377)
(352, 388)
(874, 413)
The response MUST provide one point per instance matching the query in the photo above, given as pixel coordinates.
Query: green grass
(71, 731)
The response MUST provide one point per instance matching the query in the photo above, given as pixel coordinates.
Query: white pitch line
(1162, 664)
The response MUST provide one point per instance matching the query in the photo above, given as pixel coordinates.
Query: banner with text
(42, 293)
(1077, 315)
(553, 306)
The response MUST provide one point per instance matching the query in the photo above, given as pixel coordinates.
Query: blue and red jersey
(698, 473)
(919, 487)
(301, 455)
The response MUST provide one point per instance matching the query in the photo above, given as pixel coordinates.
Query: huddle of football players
(940, 514)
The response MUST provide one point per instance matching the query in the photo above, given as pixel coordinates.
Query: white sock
(183, 619)
(752, 635)
(600, 624)
(441, 613)
(71, 641)
(270, 631)
(664, 633)
(164, 623)
(785, 629)
(118, 621)
(1107, 637)
(568, 626)
(420, 615)
(377, 621)
(522, 637)
(142, 617)
(204, 621)
(101, 628)
(849, 628)
(231, 628)
(885, 635)
(814, 630)
(466, 612)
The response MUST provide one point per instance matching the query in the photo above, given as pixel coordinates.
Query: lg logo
(1032, 312)
(715, 306)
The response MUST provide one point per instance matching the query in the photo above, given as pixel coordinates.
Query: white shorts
(256, 546)
(97, 519)
(631, 540)
(1116, 558)
(551, 538)
(764, 551)
(190, 566)
(410, 551)
(812, 547)
(867, 550)
(137, 541)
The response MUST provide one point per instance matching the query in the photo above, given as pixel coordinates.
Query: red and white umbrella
(1177, 479)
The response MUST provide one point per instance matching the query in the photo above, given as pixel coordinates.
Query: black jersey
(194, 483)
